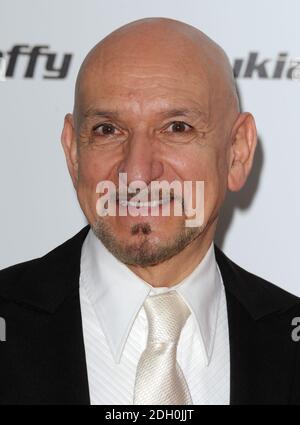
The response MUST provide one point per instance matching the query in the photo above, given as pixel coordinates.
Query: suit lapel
(45, 357)
(262, 354)
(261, 357)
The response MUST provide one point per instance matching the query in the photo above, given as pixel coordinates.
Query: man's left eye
(178, 127)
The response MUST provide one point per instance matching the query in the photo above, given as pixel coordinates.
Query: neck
(177, 268)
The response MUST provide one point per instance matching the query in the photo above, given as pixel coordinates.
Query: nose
(140, 161)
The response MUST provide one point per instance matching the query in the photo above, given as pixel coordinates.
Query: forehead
(140, 84)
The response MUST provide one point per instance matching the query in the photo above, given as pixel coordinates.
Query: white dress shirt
(115, 327)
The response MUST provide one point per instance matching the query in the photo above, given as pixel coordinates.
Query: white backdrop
(259, 228)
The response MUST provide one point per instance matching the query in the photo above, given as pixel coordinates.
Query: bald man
(140, 307)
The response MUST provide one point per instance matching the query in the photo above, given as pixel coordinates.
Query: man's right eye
(106, 129)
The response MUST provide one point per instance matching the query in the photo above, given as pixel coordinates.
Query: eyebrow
(165, 114)
(100, 113)
(181, 112)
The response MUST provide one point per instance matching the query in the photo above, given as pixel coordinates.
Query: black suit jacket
(43, 360)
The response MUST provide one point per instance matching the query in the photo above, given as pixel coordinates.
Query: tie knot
(166, 314)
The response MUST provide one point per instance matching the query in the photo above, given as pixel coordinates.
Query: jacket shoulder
(259, 295)
(13, 272)
(23, 279)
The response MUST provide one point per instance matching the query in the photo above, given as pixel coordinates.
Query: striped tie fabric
(159, 378)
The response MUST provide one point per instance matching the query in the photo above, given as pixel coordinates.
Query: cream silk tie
(159, 378)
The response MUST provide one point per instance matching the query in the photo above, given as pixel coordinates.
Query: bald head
(150, 44)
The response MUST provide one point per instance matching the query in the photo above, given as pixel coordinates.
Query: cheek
(92, 169)
(200, 165)
(215, 183)
(206, 166)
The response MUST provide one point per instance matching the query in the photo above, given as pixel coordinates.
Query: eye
(178, 127)
(106, 129)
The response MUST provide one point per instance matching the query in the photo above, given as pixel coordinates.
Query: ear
(242, 149)
(69, 144)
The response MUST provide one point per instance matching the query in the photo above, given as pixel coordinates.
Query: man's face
(155, 120)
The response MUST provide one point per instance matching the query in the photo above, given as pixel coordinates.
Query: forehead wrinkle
(168, 93)
(95, 112)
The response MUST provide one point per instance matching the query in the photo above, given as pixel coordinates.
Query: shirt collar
(117, 294)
